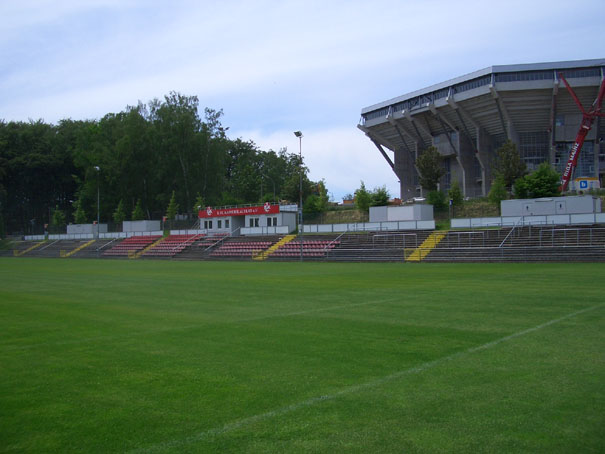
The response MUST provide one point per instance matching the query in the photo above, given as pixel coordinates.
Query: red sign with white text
(210, 212)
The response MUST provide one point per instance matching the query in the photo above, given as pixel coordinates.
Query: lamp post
(300, 192)
(98, 169)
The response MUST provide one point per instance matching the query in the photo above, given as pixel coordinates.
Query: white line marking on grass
(349, 390)
(311, 311)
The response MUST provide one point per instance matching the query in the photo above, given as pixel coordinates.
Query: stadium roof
(502, 100)
(497, 69)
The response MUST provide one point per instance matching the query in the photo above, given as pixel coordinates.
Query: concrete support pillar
(405, 169)
(466, 160)
(485, 153)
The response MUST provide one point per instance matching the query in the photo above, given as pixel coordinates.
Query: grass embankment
(474, 208)
(154, 356)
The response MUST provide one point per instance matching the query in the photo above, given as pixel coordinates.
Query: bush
(380, 197)
(544, 182)
(455, 194)
(438, 200)
(498, 192)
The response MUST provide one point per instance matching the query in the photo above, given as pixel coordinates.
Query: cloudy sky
(274, 67)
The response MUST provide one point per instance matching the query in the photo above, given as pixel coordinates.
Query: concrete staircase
(426, 247)
(19, 253)
(76, 250)
(140, 253)
(264, 254)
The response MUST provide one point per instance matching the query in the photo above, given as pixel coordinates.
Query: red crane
(588, 118)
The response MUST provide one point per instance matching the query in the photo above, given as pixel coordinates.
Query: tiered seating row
(311, 248)
(134, 243)
(172, 245)
(211, 240)
(241, 248)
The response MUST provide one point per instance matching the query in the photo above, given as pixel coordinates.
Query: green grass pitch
(168, 357)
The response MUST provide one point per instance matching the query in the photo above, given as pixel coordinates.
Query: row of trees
(140, 161)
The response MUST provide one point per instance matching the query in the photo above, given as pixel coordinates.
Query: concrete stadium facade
(468, 118)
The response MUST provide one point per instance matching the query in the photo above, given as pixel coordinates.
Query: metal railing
(573, 235)
(394, 236)
(469, 236)
(511, 231)
(221, 239)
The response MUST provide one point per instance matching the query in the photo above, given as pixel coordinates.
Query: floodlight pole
(98, 169)
(300, 193)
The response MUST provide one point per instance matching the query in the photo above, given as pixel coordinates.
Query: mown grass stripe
(351, 389)
(187, 327)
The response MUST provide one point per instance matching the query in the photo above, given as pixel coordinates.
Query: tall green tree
(311, 206)
(317, 202)
(291, 191)
(35, 172)
(173, 208)
(199, 203)
(430, 167)
(138, 214)
(119, 215)
(58, 218)
(508, 165)
(363, 198)
(177, 127)
(79, 213)
(323, 199)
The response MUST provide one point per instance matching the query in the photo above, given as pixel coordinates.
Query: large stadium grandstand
(468, 118)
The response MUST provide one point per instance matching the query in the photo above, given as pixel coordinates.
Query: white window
(226, 223)
(219, 224)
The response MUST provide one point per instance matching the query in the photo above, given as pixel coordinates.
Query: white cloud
(275, 66)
